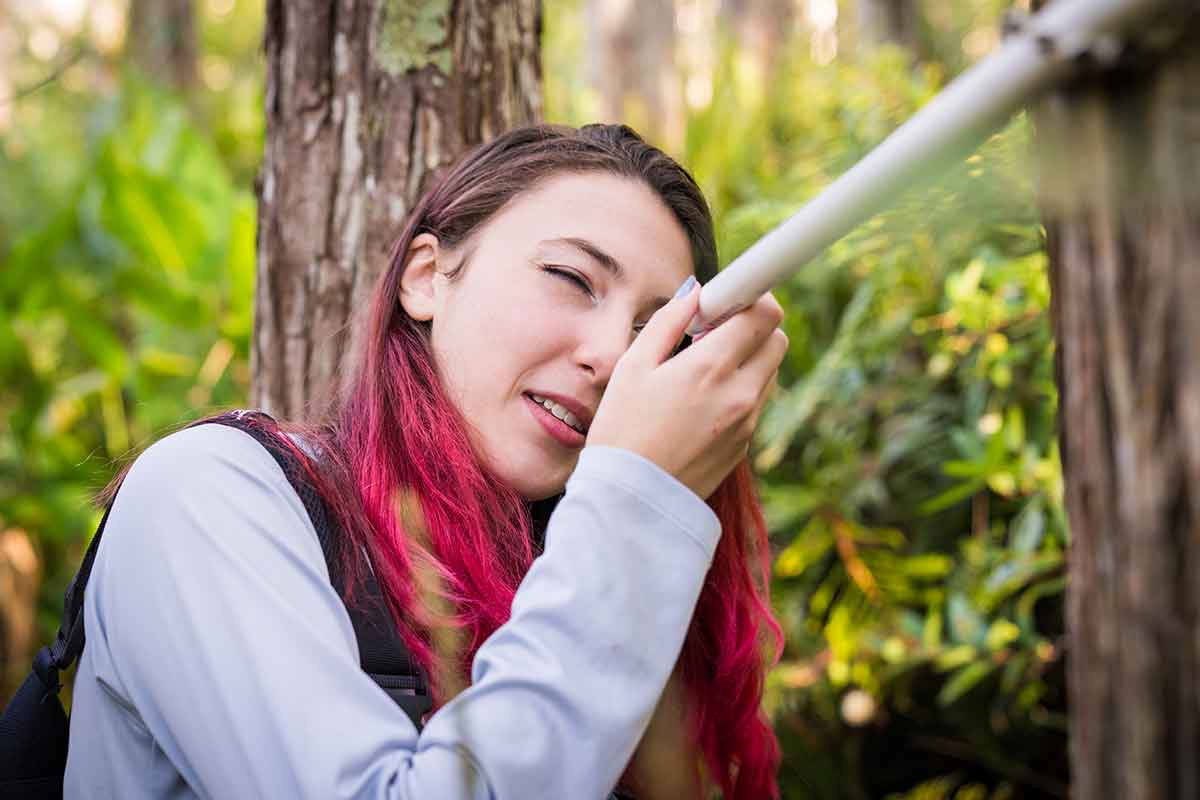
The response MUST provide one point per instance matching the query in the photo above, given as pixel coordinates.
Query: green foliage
(125, 297)
(228, 107)
(909, 461)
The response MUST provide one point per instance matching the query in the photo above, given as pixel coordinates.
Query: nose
(603, 339)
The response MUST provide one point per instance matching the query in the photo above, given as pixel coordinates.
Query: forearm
(616, 573)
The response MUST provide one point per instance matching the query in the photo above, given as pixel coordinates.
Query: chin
(551, 477)
(540, 490)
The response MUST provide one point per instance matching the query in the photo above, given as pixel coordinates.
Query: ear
(417, 292)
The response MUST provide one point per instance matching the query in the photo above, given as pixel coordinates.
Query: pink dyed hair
(395, 428)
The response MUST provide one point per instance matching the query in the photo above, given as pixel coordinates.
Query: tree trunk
(762, 30)
(162, 40)
(632, 64)
(1120, 155)
(367, 102)
(887, 22)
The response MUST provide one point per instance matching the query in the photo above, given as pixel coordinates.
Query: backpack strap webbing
(382, 652)
(34, 730)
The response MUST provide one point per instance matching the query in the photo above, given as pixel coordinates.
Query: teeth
(559, 412)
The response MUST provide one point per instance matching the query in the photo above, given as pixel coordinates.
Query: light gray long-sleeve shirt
(221, 663)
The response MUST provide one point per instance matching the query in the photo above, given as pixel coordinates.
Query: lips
(562, 423)
(560, 411)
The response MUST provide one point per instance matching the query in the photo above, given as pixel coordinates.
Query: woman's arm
(212, 625)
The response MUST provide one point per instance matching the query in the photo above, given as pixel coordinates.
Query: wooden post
(1120, 163)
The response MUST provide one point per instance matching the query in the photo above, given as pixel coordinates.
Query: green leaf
(931, 566)
(966, 624)
(785, 504)
(1003, 483)
(1026, 529)
(164, 362)
(963, 681)
(955, 657)
(931, 633)
(1014, 428)
(1000, 634)
(951, 497)
(965, 469)
(809, 545)
(1009, 576)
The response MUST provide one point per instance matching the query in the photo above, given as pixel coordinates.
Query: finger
(750, 423)
(665, 328)
(734, 341)
(763, 365)
(753, 372)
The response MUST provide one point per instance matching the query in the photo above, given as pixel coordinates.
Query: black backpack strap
(68, 644)
(382, 653)
(34, 731)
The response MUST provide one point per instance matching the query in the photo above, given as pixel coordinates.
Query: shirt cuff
(654, 487)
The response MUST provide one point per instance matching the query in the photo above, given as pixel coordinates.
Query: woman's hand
(693, 415)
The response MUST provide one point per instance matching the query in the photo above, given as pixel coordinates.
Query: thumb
(665, 329)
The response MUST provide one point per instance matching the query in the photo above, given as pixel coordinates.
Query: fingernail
(685, 288)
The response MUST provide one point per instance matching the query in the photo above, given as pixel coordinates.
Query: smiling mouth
(559, 413)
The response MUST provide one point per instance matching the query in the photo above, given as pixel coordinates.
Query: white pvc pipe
(948, 127)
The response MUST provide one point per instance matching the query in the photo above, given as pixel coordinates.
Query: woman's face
(554, 289)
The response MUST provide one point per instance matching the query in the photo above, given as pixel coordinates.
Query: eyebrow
(602, 258)
(593, 252)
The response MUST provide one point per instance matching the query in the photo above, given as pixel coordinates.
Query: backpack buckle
(46, 669)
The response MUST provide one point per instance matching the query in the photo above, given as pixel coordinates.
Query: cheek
(487, 347)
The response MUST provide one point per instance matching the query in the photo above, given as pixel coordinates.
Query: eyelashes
(571, 277)
(574, 278)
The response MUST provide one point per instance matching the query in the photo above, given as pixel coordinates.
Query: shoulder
(206, 518)
(209, 460)
(210, 486)
(202, 451)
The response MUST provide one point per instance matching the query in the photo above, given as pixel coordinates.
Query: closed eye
(572, 277)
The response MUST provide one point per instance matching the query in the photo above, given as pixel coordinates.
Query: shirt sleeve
(214, 622)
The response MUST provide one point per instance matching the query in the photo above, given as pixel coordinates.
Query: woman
(530, 309)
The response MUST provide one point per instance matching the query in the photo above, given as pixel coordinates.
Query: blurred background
(909, 466)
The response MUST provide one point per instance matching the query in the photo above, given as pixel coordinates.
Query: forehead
(621, 216)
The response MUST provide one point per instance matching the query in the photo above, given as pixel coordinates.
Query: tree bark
(367, 102)
(1120, 162)
(162, 40)
(887, 22)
